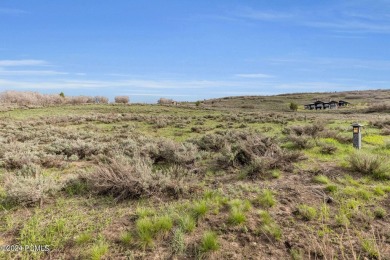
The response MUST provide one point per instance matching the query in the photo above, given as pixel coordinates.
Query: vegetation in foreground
(146, 181)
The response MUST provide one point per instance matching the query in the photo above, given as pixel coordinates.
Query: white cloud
(31, 72)
(254, 75)
(251, 13)
(129, 84)
(12, 11)
(15, 63)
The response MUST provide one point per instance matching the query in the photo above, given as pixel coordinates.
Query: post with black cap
(357, 135)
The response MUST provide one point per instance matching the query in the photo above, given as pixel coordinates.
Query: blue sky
(191, 50)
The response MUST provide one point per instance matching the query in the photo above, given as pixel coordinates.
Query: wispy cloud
(15, 63)
(254, 75)
(332, 19)
(12, 11)
(129, 84)
(264, 15)
(333, 63)
(351, 26)
(31, 72)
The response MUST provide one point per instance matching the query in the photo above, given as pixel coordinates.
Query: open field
(227, 179)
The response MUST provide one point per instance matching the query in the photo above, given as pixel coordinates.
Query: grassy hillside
(358, 100)
(207, 182)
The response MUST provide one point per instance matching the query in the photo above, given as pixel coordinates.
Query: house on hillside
(326, 105)
(343, 103)
(310, 106)
(319, 105)
(333, 104)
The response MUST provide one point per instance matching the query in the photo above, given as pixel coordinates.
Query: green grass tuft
(266, 199)
(307, 212)
(209, 242)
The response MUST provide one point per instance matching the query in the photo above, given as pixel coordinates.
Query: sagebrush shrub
(29, 189)
(132, 178)
(78, 147)
(301, 141)
(169, 151)
(16, 155)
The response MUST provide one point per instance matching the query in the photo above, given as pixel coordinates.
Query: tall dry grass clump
(369, 164)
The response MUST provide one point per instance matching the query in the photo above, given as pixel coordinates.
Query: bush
(369, 164)
(124, 178)
(301, 141)
(312, 130)
(16, 155)
(168, 151)
(101, 100)
(30, 189)
(328, 148)
(165, 101)
(122, 99)
(379, 108)
(78, 147)
(134, 178)
(293, 106)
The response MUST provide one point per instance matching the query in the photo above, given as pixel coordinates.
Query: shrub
(301, 141)
(72, 148)
(165, 101)
(29, 189)
(369, 164)
(257, 168)
(293, 106)
(122, 99)
(128, 179)
(328, 148)
(168, 151)
(312, 130)
(379, 108)
(101, 100)
(17, 155)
